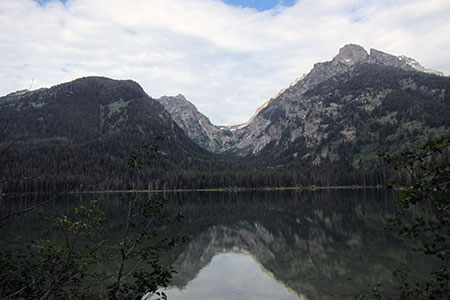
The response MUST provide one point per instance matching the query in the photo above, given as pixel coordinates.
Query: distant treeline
(50, 170)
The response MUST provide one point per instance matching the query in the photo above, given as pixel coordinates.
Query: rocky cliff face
(332, 104)
(195, 124)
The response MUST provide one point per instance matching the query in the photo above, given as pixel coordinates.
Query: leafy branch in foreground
(61, 262)
(74, 259)
(142, 243)
(423, 178)
(140, 270)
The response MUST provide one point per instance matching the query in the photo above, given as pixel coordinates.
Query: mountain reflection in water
(326, 244)
(232, 276)
(320, 244)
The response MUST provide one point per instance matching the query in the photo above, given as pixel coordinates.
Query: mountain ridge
(324, 129)
(79, 135)
(249, 137)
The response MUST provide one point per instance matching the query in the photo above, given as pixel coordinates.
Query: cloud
(227, 60)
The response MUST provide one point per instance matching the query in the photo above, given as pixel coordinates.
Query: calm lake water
(327, 244)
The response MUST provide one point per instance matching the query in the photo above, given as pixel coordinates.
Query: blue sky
(227, 57)
(42, 2)
(259, 5)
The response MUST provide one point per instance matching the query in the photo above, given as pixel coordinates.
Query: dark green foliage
(142, 244)
(424, 179)
(411, 108)
(77, 136)
(61, 262)
(74, 260)
(139, 251)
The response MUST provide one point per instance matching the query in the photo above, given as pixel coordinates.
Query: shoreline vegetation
(228, 189)
(238, 189)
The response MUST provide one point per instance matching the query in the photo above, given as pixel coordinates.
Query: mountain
(195, 124)
(342, 110)
(79, 135)
(324, 129)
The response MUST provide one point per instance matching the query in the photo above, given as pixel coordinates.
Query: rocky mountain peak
(351, 54)
(176, 103)
(179, 97)
(306, 110)
(382, 58)
(195, 124)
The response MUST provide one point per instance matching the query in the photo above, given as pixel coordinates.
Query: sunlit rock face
(331, 104)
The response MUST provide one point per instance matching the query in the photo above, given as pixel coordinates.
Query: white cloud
(226, 60)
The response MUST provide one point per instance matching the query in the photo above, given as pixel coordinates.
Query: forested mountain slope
(79, 136)
(350, 116)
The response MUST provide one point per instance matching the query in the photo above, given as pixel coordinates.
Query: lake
(324, 244)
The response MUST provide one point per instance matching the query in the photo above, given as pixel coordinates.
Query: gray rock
(292, 113)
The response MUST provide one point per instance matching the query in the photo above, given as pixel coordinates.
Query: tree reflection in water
(326, 244)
